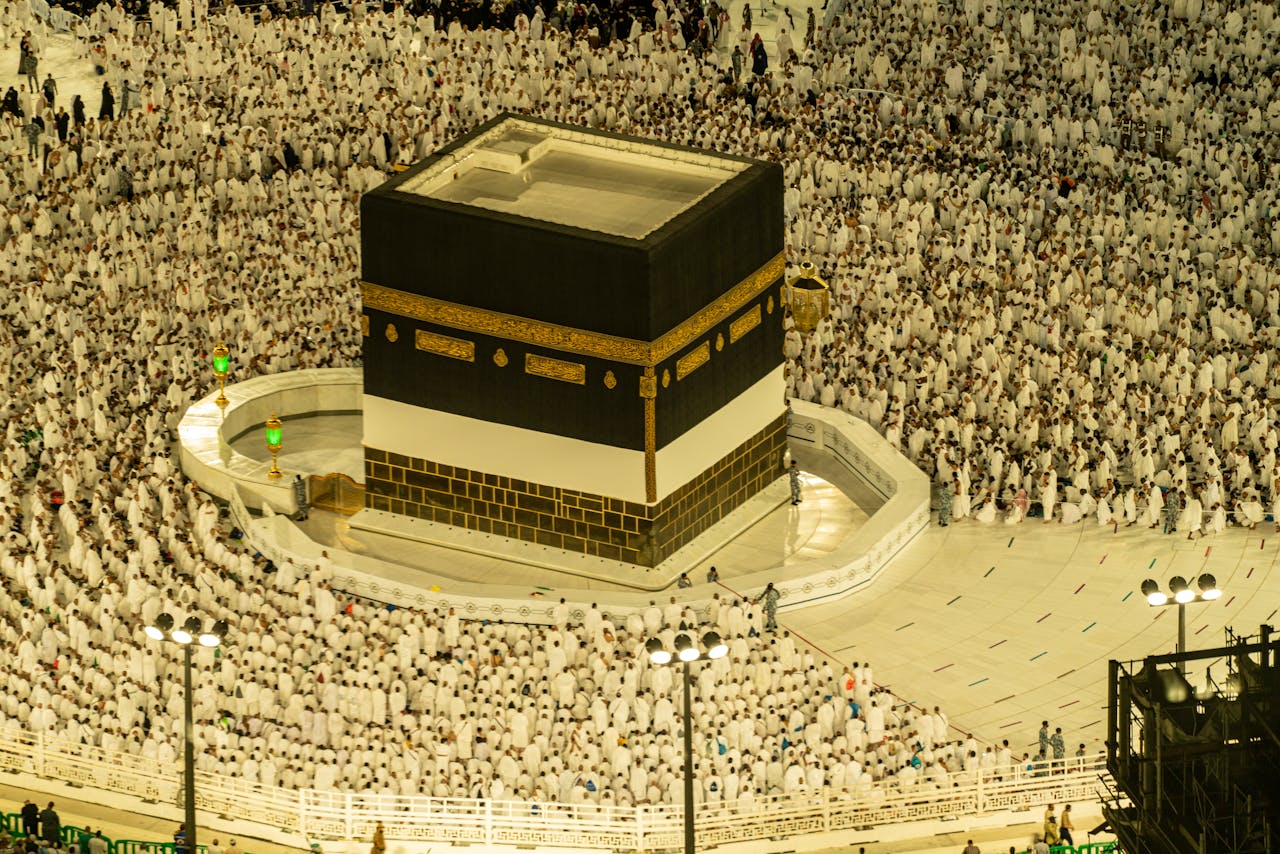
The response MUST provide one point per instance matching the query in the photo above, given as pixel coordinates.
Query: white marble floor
(1009, 626)
(61, 55)
(320, 444)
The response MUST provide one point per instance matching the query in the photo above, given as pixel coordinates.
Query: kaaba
(573, 338)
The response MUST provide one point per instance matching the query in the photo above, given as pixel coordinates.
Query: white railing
(340, 815)
(205, 432)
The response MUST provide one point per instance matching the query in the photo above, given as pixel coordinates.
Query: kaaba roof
(570, 176)
(578, 228)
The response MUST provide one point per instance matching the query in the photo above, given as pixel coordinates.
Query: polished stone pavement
(1003, 626)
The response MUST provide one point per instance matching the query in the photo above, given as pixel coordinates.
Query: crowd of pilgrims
(1051, 237)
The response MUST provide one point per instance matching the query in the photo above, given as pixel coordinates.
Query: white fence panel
(338, 815)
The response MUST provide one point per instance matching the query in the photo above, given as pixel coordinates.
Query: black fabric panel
(710, 248)
(686, 403)
(570, 276)
(503, 395)
(504, 263)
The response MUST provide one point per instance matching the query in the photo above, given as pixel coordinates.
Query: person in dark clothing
(759, 59)
(77, 145)
(50, 825)
(10, 103)
(30, 818)
(77, 111)
(61, 121)
(108, 108)
(28, 63)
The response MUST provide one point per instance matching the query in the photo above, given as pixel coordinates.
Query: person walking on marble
(946, 492)
(770, 599)
(793, 472)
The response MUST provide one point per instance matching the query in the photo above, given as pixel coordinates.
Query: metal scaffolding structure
(1194, 771)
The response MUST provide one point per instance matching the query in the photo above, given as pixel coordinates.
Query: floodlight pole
(688, 761)
(190, 759)
(687, 651)
(1182, 637)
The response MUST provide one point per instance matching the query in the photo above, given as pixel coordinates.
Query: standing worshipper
(50, 90)
(1059, 749)
(793, 472)
(28, 64)
(32, 131)
(771, 597)
(10, 103)
(30, 818)
(379, 841)
(946, 492)
(1172, 509)
(77, 111)
(1065, 826)
(1192, 517)
(50, 825)
(759, 59)
(108, 108)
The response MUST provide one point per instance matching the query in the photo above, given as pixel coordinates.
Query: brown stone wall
(567, 519)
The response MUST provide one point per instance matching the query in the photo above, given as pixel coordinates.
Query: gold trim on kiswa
(694, 359)
(443, 345)
(744, 323)
(648, 384)
(650, 435)
(567, 339)
(555, 369)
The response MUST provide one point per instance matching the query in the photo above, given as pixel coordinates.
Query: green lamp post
(275, 437)
(221, 366)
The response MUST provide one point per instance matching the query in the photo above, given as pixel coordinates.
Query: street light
(1183, 595)
(687, 653)
(166, 628)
